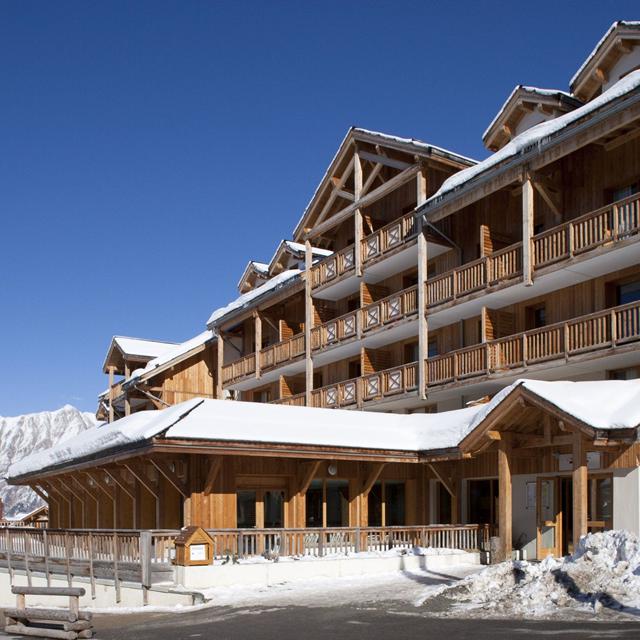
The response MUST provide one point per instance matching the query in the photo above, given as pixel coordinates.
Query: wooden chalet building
(417, 281)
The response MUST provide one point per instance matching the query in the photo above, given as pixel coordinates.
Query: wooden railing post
(145, 564)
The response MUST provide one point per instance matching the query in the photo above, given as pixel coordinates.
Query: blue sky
(149, 149)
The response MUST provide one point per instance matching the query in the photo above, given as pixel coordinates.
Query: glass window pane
(337, 503)
(246, 509)
(395, 507)
(375, 505)
(274, 509)
(314, 504)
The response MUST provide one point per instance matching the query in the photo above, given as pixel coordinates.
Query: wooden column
(308, 322)
(219, 363)
(527, 231)
(257, 324)
(505, 520)
(423, 328)
(580, 488)
(111, 372)
(357, 192)
(127, 402)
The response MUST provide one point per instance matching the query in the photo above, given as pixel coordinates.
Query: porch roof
(602, 405)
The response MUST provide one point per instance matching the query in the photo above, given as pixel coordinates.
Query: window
(624, 192)
(274, 509)
(386, 504)
(317, 379)
(354, 369)
(482, 504)
(246, 509)
(629, 292)
(431, 270)
(536, 316)
(353, 303)
(313, 501)
(337, 497)
(443, 504)
(410, 280)
(600, 507)
(623, 374)
(263, 396)
(432, 350)
(375, 505)
(411, 352)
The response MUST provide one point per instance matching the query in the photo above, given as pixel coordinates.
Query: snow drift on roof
(534, 90)
(175, 352)
(246, 298)
(615, 25)
(140, 347)
(611, 404)
(537, 134)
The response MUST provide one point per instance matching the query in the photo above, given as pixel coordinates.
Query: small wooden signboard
(194, 547)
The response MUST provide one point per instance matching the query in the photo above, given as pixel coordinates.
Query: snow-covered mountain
(23, 435)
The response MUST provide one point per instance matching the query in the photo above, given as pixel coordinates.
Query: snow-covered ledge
(267, 573)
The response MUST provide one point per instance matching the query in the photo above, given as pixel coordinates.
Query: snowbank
(603, 575)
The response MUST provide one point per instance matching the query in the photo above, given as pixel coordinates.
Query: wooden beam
(219, 363)
(494, 435)
(622, 139)
(358, 231)
(309, 474)
(372, 478)
(257, 328)
(215, 465)
(527, 231)
(371, 179)
(336, 185)
(365, 201)
(450, 489)
(170, 475)
(111, 373)
(140, 476)
(385, 160)
(40, 493)
(423, 270)
(580, 488)
(505, 502)
(308, 322)
(547, 196)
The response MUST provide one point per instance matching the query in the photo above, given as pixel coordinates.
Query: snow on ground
(601, 578)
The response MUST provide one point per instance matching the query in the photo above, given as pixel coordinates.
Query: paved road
(348, 622)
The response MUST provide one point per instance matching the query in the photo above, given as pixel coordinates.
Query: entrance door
(549, 516)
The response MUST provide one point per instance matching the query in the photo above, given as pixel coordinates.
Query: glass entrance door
(549, 518)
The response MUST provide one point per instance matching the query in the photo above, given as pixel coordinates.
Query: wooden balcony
(561, 341)
(614, 222)
(333, 267)
(373, 386)
(390, 309)
(605, 226)
(271, 357)
(297, 400)
(499, 266)
(389, 237)
(239, 369)
(280, 353)
(334, 331)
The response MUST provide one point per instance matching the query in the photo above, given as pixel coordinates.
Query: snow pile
(603, 574)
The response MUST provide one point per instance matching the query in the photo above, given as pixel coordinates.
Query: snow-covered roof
(633, 24)
(533, 92)
(418, 145)
(176, 352)
(137, 347)
(259, 268)
(246, 298)
(537, 135)
(601, 405)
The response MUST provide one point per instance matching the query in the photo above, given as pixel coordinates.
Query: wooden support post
(140, 476)
(527, 231)
(220, 362)
(308, 323)
(580, 488)
(257, 324)
(127, 401)
(505, 520)
(111, 373)
(423, 327)
(357, 191)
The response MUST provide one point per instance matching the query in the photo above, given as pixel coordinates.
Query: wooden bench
(48, 623)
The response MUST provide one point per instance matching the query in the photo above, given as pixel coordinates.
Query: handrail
(281, 352)
(333, 266)
(239, 369)
(296, 400)
(389, 309)
(591, 332)
(388, 237)
(341, 328)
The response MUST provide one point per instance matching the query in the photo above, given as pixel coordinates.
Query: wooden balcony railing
(239, 369)
(373, 386)
(334, 331)
(116, 390)
(282, 352)
(297, 400)
(390, 309)
(499, 266)
(608, 224)
(389, 237)
(563, 340)
(333, 266)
